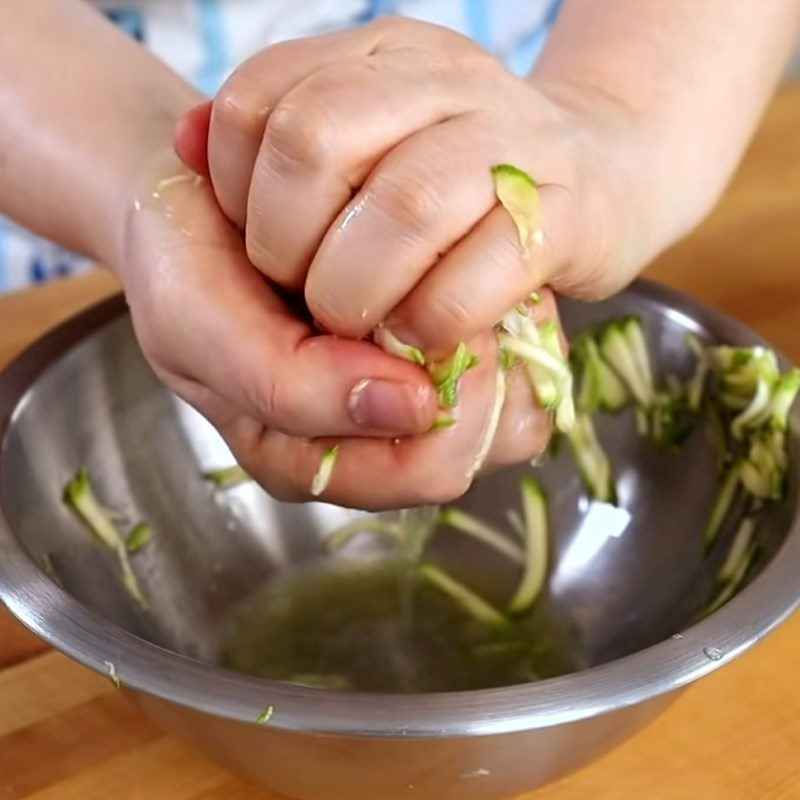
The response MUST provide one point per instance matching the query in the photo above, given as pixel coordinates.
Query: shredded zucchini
(227, 477)
(600, 388)
(265, 716)
(535, 354)
(539, 349)
(515, 521)
(138, 538)
(696, 385)
(632, 329)
(754, 413)
(372, 525)
(46, 560)
(474, 605)
(722, 504)
(534, 508)
(670, 423)
(388, 342)
(728, 588)
(739, 547)
(493, 421)
(467, 524)
(747, 406)
(79, 497)
(112, 674)
(783, 396)
(443, 420)
(519, 195)
(593, 462)
(447, 374)
(622, 345)
(323, 477)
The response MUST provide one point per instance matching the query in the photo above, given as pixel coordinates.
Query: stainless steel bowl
(627, 581)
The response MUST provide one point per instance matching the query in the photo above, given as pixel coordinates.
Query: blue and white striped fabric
(204, 40)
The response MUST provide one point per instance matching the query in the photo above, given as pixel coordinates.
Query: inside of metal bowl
(621, 578)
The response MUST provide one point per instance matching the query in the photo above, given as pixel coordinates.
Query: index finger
(473, 286)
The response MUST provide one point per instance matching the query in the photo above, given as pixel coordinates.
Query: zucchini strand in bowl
(534, 508)
(80, 498)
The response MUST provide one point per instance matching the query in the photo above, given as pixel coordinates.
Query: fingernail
(389, 406)
(404, 332)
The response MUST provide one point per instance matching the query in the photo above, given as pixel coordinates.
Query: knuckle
(284, 480)
(454, 55)
(277, 461)
(410, 200)
(231, 112)
(258, 252)
(301, 134)
(268, 248)
(271, 400)
(283, 491)
(449, 313)
(279, 481)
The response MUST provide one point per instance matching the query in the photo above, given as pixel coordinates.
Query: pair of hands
(349, 186)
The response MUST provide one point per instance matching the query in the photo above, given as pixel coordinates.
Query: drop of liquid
(713, 653)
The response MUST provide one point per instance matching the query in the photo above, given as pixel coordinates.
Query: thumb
(191, 138)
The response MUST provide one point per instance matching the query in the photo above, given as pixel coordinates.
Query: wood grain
(65, 734)
(745, 258)
(24, 316)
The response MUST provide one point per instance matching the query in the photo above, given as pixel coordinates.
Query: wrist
(134, 169)
(153, 214)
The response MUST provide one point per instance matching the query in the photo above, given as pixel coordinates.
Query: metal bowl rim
(91, 640)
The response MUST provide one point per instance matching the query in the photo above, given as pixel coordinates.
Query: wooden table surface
(65, 734)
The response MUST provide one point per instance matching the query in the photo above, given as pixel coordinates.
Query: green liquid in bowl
(375, 627)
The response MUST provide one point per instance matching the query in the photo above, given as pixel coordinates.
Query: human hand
(218, 335)
(358, 165)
